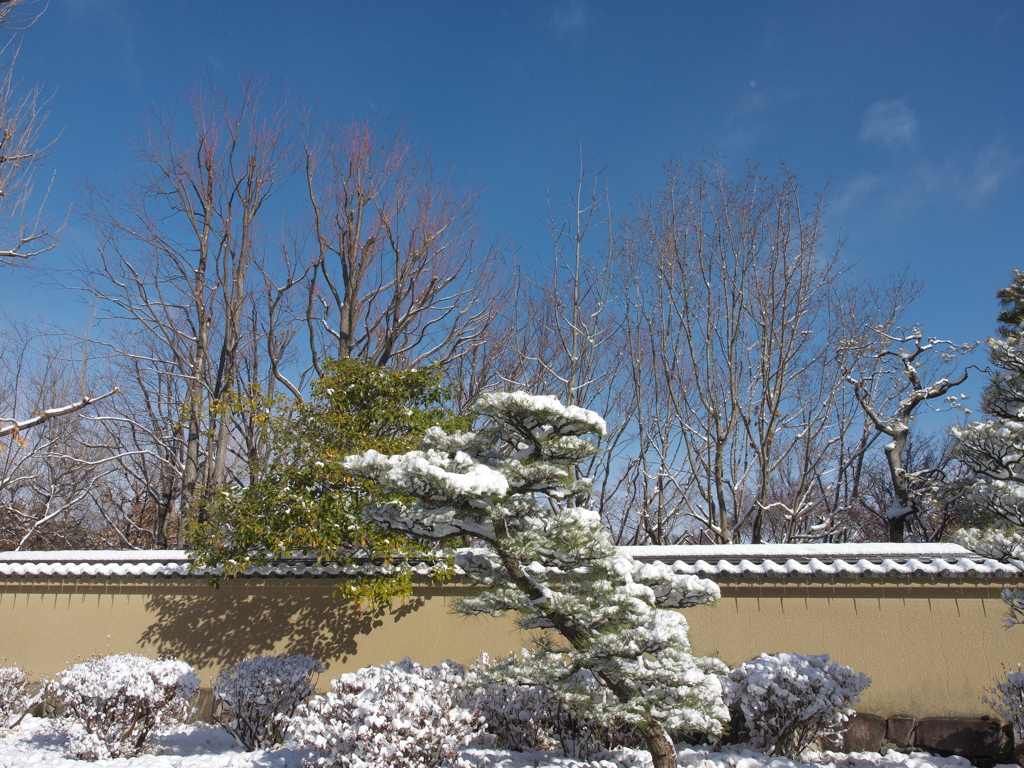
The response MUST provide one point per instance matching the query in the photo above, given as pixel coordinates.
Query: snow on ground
(208, 746)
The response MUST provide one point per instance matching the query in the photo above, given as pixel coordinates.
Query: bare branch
(14, 427)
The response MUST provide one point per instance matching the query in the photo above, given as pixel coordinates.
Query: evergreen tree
(1011, 319)
(993, 449)
(305, 503)
(622, 657)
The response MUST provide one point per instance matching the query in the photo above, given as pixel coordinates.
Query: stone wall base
(984, 741)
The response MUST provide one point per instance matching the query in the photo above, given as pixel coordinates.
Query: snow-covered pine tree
(993, 449)
(622, 658)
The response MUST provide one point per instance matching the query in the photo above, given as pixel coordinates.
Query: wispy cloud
(851, 193)
(992, 167)
(752, 113)
(968, 180)
(971, 181)
(571, 16)
(890, 122)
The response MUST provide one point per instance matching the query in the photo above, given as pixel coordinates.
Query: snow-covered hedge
(14, 698)
(530, 718)
(517, 717)
(399, 715)
(253, 698)
(1008, 700)
(788, 701)
(112, 704)
(525, 717)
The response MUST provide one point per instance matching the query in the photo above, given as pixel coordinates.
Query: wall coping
(780, 562)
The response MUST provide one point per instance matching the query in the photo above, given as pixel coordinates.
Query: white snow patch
(855, 560)
(207, 746)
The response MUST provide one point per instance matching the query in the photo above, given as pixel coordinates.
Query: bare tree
(732, 296)
(397, 275)
(567, 339)
(51, 468)
(16, 427)
(48, 468)
(648, 503)
(181, 245)
(933, 473)
(25, 228)
(890, 391)
(214, 299)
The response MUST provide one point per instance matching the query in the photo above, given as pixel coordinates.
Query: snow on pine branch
(540, 415)
(556, 567)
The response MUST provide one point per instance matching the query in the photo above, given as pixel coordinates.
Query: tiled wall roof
(761, 561)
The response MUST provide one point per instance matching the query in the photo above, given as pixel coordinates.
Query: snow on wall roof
(852, 561)
(165, 563)
(739, 561)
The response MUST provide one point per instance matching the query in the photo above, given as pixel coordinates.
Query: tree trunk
(663, 754)
(658, 743)
(894, 457)
(897, 528)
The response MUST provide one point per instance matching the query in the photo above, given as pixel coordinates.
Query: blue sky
(912, 112)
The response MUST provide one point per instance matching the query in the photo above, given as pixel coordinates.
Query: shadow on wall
(216, 627)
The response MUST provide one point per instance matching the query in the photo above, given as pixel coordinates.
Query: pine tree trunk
(663, 754)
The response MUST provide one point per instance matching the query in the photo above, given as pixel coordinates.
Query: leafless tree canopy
(215, 299)
(716, 328)
(893, 373)
(734, 316)
(397, 271)
(753, 390)
(25, 228)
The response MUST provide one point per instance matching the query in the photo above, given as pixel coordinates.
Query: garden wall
(925, 622)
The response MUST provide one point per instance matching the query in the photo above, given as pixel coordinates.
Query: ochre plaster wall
(46, 626)
(931, 649)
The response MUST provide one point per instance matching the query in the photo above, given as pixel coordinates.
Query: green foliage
(1011, 299)
(992, 449)
(304, 502)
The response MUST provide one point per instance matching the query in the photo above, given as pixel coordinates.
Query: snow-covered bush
(530, 718)
(253, 698)
(1008, 700)
(398, 715)
(14, 697)
(787, 701)
(113, 703)
(523, 718)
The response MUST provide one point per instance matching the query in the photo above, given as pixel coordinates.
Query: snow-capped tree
(1011, 297)
(890, 382)
(993, 449)
(621, 658)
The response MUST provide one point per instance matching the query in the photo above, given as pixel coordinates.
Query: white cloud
(992, 166)
(891, 122)
(571, 16)
(855, 190)
(968, 180)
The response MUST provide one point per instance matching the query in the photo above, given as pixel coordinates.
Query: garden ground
(208, 746)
